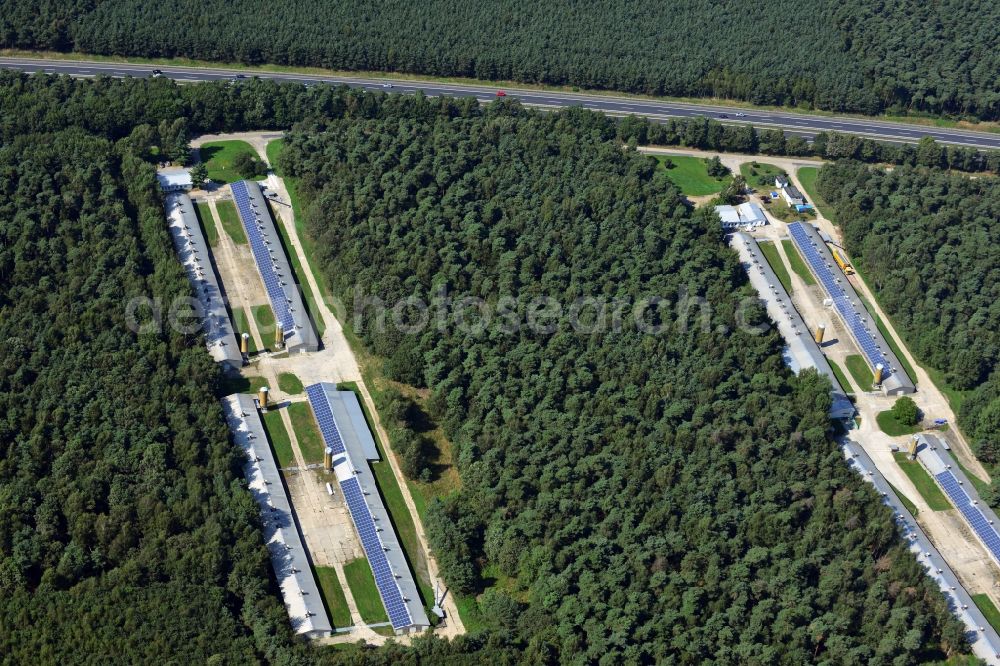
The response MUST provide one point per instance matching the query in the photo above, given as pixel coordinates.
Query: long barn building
(801, 350)
(349, 447)
(275, 271)
(887, 369)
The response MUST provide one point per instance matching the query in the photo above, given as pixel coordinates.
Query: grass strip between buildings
(204, 214)
(242, 325)
(231, 221)
(925, 485)
(333, 596)
(362, 583)
(770, 252)
(841, 377)
(304, 425)
(910, 506)
(280, 441)
(798, 264)
(264, 317)
(859, 369)
(988, 608)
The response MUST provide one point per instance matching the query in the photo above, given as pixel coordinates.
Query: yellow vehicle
(843, 263)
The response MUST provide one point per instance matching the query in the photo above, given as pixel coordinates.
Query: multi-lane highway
(799, 124)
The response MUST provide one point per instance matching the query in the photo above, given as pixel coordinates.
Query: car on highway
(157, 73)
(723, 115)
(501, 93)
(741, 115)
(386, 85)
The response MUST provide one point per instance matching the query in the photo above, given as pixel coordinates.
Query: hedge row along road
(798, 124)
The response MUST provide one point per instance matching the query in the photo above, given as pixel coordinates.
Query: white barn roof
(281, 535)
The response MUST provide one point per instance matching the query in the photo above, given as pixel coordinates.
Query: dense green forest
(928, 242)
(124, 528)
(650, 498)
(904, 56)
(666, 498)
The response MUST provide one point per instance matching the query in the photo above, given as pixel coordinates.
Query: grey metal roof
(358, 438)
(793, 192)
(935, 457)
(174, 178)
(897, 381)
(194, 254)
(982, 636)
(304, 337)
(289, 557)
(353, 464)
(801, 350)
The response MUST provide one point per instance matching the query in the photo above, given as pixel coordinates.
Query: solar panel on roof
(266, 267)
(982, 527)
(862, 335)
(385, 580)
(324, 418)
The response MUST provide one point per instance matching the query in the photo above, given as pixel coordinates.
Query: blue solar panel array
(392, 598)
(864, 338)
(977, 520)
(262, 255)
(324, 417)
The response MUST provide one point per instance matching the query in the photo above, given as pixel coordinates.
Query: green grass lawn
(264, 317)
(240, 384)
(807, 177)
(859, 369)
(289, 383)
(922, 480)
(988, 609)
(304, 425)
(362, 583)
(231, 221)
(770, 252)
(204, 213)
(797, 263)
(280, 441)
(333, 596)
(890, 426)
(910, 506)
(242, 326)
(218, 156)
(691, 175)
(760, 175)
(841, 377)
(272, 150)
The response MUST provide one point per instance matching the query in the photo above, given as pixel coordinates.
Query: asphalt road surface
(798, 124)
